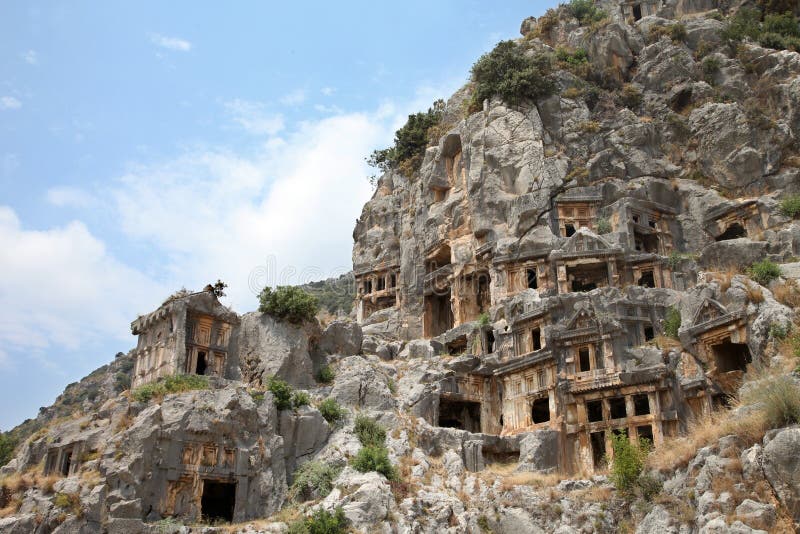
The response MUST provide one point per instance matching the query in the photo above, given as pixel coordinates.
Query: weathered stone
(782, 468)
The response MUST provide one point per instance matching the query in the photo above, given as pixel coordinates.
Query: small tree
(218, 288)
(672, 322)
(288, 302)
(512, 75)
(585, 11)
(7, 446)
(374, 458)
(764, 272)
(628, 462)
(281, 392)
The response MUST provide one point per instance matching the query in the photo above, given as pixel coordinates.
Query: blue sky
(155, 145)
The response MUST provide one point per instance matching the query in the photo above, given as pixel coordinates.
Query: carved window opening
(584, 359)
(541, 378)
(594, 411)
(540, 411)
(597, 441)
(647, 279)
(438, 260)
(218, 501)
(734, 231)
(649, 333)
(645, 242)
(464, 415)
(438, 314)
(393, 280)
(569, 230)
(202, 364)
(438, 195)
(457, 347)
(586, 277)
(616, 406)
(483, 295)
(66, 461)
(645, 432)
(533, 282)
(641, 404)
(637, 11)
(381, 283)
(536, 338)
(367, 287)
(489, 342)
(730, 356)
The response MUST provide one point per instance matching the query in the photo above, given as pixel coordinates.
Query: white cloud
(30, 57)
(327, 91)
(251, 116)
(62, 289)
(9, 102)
(171, 43)
(71, 197)
(294, 98)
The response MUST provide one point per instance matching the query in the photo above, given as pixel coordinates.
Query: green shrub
(374, 458)
(288, 302)
(711, 65)
(772, 40)
(257, 396)
(764, 272)
(483, 319)
(631, 96)
(745, 23)
(281, 393)
(648, 486)
(313, 480)
(326, 375)
(571, 57)
(321, 522)
(169, 384)
(7, 446)
(331, 411)
(410, 142)
(585, 11)
(672, 322)
(603, 226)
(369, 432)
(628, 462)
(781, 24)
(776, 6)
(300, 398)
(676, 32)
(778, 331)
(779, 398)
(512, 75)
(790, 206)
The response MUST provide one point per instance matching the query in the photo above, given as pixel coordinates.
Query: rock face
(782, 468)
(267, 347)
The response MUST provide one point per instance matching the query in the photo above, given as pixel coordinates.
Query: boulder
(782, 468)
(360, 384)
(342, 338)
(538, 451)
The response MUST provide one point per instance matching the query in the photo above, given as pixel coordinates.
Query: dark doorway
(489, 341)
(647, 279)
(598, 443)
(218, 501)
(645, 242)
(641, 405)
(637, 11)
(465, 415)
(200, 369)
(438, 314)
(584, 361)
(536, 338)
(645, 432)
(66, 462)
(588, 277)
(649, 334)
(616, 406)
(540, 411)
(734, 231)
(533, 283)
(594, 410)
(569, 230)
(731, 356)
(484, 297)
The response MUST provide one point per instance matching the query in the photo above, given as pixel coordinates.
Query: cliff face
(611, 262)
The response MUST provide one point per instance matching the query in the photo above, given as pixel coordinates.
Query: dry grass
(595, 494)
(723, 277)
(535, 480)
(91, 478)
(787, 293)
(666, 342)
(124, 422)
(754, 294)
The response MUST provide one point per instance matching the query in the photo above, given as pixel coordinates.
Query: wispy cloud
(327, 91)
(252, 117)
(30, 57)
(171, 43)
(296, 97)
(69, 197)
(9, 102)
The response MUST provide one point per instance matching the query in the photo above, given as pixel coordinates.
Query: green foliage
(779, 331)
(369, 432)
(374, 458)
(331, 411)
(281, 393)
(672, 322)
(781, 24)
(321, 522)
(676, 32)
(7, 446)
(711, 65)
(512, 75)
(313, 480)
(631, 96)
(778, 30)
(746, 23)
(257, 396)
(288, 302)
(70, 502)
(790, 206)
(122, 381)
(585, 11)
(628, 462)
(779, 397)
(300, 398)
(764, 272)
(336, 295)
(576, 61)
(483, 319)
(483, 524)
(674, 259)
(777, 6)
(603, 226)
(648, 486)
(326, 375)
(169, 384)
(410, 142)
